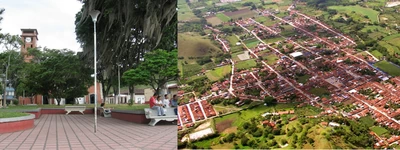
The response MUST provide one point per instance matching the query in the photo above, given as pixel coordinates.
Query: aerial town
(307, 63)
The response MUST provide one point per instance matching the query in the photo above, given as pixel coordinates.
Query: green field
(247, 64)
(391, 69)
(303, 79)
(219, 73)
(372, 14)
(252, 43)
(191, 69)
(390, 48)
(377, 54)
(185, 13)
(194, 45)
(214, 21)
(12, 114)
(321, 92)
(271, 59)
(223, 17)
(374, 28)
(379, 130)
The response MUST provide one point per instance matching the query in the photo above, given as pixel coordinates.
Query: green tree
(158, 68)
(59, 74)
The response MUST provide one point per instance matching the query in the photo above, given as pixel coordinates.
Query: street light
(94, 14)
(119, 81)
(5, 83)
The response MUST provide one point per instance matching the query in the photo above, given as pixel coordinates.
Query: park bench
(152, 114)
(75, 108)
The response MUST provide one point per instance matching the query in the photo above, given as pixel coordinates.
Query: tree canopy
(58, 74)
(126, 30)
(158, 68)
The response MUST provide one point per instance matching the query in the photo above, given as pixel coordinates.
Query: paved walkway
(62, 132)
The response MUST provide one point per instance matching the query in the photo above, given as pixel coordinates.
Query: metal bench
(152, 114)
(69, 109)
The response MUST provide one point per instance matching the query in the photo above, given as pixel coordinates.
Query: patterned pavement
(75, 132)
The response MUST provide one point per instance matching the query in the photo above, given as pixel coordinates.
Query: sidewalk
(64, 132)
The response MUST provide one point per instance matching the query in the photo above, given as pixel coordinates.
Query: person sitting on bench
(174, 103)
(157, 106)
(103, 109)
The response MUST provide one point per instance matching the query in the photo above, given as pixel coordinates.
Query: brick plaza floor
(66, 132)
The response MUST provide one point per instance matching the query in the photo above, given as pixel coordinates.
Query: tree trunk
(132, 92)
(58, 101)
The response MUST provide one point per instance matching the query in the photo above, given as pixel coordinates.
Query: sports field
(388, 67)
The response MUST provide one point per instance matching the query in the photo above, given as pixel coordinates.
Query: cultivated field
(223, 17)
(243, 13)
(185, 13)
(214, 20)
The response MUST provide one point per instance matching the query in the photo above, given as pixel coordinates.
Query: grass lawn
(377, 54)
(25, 107)
(303, 79)
(372, 14)
(246, 64)
(379, 130)
(388, 67)
(367, 120)
(223, 17)
(252, 43)
(271, 59)
(321, 92)
(12, 114)
(219, 73)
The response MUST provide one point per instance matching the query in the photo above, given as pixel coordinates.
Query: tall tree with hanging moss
(126, 30)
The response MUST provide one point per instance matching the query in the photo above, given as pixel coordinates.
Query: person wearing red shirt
(155, 106)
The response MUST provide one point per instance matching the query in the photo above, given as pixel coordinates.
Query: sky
(53, 19)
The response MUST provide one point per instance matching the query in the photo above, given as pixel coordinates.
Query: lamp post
(5, 83)
(94, 14)
(119, 81)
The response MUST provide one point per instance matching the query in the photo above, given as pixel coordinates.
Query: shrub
(15, 102)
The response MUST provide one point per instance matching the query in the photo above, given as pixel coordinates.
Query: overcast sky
(53, 19)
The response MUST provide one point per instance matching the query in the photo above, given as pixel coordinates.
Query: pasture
(372, 14)
(247, 64)
(223, 17)
(218, 73)
(194, 45)
(214, 21)
(388, 67)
